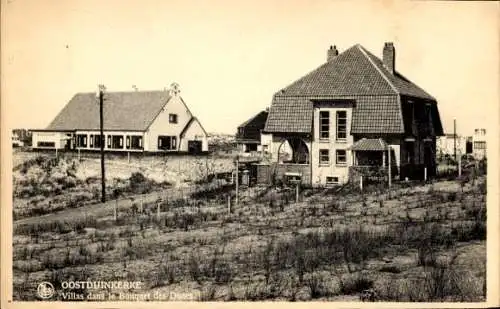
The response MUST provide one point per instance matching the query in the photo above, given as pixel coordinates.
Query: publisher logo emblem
(45, 290)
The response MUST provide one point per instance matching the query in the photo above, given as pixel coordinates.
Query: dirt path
(105, 209)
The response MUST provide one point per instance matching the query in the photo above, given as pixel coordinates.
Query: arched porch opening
(293, 150)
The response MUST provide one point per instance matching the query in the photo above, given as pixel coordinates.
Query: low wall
(266, 172)
(371, 174)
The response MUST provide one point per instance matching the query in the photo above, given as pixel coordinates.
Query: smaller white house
(479, 144)
(445, 145)
(134, 121)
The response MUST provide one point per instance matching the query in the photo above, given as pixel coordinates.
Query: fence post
(459, 164)
(297, 193)
(237, 179)
(390, 167)
(56, 153)
(229, 203)
(158, 211)
(361, 182)
(425, 173)
(128, 157)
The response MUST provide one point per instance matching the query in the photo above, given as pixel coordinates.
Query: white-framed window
(324, 124)
(332, 180)
(341, 125)
(324, 156)
(167, 142)
(341, 157)
(172, 118)
(479, 145)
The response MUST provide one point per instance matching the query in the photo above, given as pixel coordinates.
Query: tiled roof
(402, 84)
(290, 114)
(350, 73)
(377, 114)
(370, 144)
(133, 111)
(355, 73)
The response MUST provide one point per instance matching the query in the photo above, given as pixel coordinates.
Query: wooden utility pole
(101, 122)
(455, 139)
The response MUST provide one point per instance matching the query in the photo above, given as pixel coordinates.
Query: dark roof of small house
(370, 144)
(258, 120)
(250, 130)
(132, 111)
(355, 72)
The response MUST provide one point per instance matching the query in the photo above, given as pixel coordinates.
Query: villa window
(341, 157)
(91, 140)
(97, 141)
(332, 180)
(410, 152)
(117, 141)
(109, 141)
(81, 140)
(479, 145)
(324, 124)
(167, 142)
(172, 118)
(136, 142)
(324, 156)
(341, 125)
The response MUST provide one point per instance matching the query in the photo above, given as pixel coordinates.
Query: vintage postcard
(318, 153)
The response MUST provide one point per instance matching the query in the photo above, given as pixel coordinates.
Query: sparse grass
(270, 250)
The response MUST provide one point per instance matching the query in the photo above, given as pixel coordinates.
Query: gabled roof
(370, 144)
(401, 84)
(257, 120)
(128, 111)
(250, 130)
(189, 124)
(353, 73)
(356, 71)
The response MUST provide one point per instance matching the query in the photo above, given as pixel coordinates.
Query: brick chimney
(389, 57)
(332, 53)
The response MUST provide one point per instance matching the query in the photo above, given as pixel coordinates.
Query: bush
(355, 284)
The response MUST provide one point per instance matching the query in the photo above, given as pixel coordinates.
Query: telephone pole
(101, 116)
(455, 139)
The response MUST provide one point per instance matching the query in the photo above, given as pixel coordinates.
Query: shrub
(317, 287)
(355, 284)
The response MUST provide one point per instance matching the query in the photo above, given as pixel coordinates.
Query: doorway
(194, 147)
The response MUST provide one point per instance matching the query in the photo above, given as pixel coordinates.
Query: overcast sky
(229, 57)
